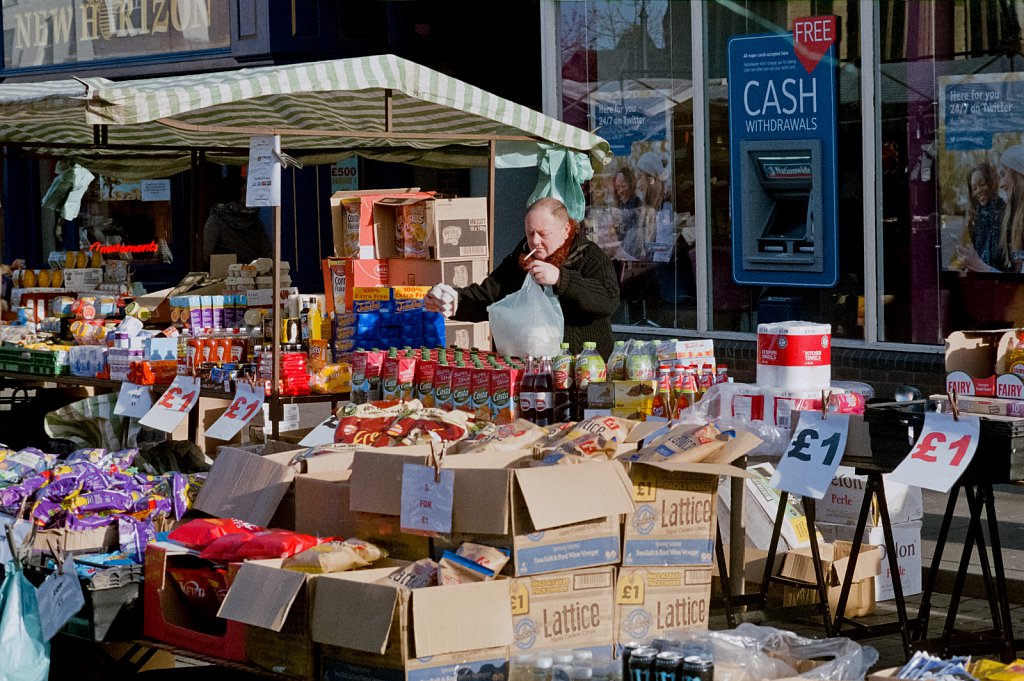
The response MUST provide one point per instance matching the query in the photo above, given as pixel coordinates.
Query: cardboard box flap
(462, 617)
(563, 495)
(329, 462)
(719, 463)
(797, 563)
(336, 597)
(377, 477)
(869, 562)
(979, 353)
(245, 486)
(262, 594)
(481, 501)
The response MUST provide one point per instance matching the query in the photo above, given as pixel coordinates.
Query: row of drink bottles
(554, 390)
(660, 660)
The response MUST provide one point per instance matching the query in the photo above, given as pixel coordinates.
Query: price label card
(60, 597)
(177, 401)
(427, 500)
(942, 452)
(813, 455)
(247, 403)
(133, 401)
(322, 434)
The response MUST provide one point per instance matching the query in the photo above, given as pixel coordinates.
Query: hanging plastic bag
(26, 655)
(528, 322)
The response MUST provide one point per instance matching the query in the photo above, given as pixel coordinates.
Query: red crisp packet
(199, 533)
(258, 545)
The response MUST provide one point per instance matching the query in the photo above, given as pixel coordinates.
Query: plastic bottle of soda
(589, 368)
(527, 392)
(543, 393)
(562, 370)
(617, 362)
(662, 404)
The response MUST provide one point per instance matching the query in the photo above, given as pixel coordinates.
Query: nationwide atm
(782, 207)
(782, 155)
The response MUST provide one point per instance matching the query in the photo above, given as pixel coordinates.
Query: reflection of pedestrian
(233, 228)
(979, 245)
(626, 200)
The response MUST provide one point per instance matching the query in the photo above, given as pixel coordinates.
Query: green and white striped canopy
(380, 107)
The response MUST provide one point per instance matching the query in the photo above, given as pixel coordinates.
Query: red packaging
(389, 377)
(203, 587)
(425, 370)
(443, 385)
(257, 546)
(480, 392)
(198, 533)
(374, 364)
(505, 394)
(462, 386)
(407, 377)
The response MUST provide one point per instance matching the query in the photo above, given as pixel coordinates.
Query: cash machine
(782, 205)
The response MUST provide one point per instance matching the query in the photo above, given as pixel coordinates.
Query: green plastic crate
(39, 362)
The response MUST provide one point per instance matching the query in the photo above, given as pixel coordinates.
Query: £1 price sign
(813, 455)
(942, 452)
(247, 403)
(177, 401)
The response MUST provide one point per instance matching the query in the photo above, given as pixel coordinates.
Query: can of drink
(697, 668)
(668, 666)
(627, 651)
(641, 663)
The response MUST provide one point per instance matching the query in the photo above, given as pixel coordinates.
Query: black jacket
(587, 289)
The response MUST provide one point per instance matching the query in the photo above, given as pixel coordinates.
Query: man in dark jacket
(233, 228)
(555, 254)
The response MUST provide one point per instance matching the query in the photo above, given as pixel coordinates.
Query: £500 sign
(942, 452)
(177, 401)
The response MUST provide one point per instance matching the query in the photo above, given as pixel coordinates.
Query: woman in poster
(1011, 188)
(979, 245)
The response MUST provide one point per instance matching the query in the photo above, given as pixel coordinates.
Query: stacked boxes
(386, 317)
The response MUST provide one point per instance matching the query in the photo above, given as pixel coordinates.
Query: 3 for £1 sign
(942, 452)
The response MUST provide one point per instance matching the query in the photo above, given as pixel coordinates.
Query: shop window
(626, 73)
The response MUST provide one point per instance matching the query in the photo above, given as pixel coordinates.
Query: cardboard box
(991, 406)
(400, 633)
(457, 228)
(906, 537)
(573, 609)
(96, 540)
(362, 202)
(276, 606)
(341, 664)
(468, 335)
(342, 275)
(654, 600)
(553, 518)
(457, 273)
(799, 565)
(974, 360)
(760, 506)
(845, 496)
(167, 617)
(674, 521)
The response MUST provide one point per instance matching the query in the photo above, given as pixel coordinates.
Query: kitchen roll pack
(794, 355)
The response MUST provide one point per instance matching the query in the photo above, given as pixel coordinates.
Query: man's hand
(543, 273)
(442, 298)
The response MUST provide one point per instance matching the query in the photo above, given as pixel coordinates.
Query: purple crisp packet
(44, 462)
(88, 521)
(105, 500)
(46, 511)
(124, 458)
(149, 505)
(13, 496)
(133, 536)
(179, 494)
(93, 455)
(195, 483)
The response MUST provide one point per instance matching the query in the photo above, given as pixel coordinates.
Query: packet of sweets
(454, 569)
(416, 575)
(330, 556)
(490, 557)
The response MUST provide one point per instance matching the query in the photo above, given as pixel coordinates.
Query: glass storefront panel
(736, 307)
(626, 73)
(952, 235)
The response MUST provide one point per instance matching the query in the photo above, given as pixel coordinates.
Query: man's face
(621, 188)
(545, 232)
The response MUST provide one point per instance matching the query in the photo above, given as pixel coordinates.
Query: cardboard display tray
(894, 426)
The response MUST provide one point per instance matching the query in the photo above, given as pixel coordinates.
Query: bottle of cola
(543, 394)
(527, 392)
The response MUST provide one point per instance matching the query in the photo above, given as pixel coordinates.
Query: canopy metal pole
(275, 373)
(196, 236)
(493, 146)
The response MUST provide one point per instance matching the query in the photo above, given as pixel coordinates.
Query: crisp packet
(133, 535)
(371, 553)
(330, 556)
(490, 557)
(454, 569)
(687, 443)
(416, 575)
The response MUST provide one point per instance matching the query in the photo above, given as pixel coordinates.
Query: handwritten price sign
(942, 452)
(177, 401)
(813, 455)
(133, 401)
(247, 403)
(427, 500)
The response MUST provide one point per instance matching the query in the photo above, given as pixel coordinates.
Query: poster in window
(981, 172)
(631, 215)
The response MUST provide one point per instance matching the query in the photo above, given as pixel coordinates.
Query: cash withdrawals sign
(782, 96)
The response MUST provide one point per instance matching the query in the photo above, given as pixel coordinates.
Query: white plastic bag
(528, 322)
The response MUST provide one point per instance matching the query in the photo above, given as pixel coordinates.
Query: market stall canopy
(381, 107)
